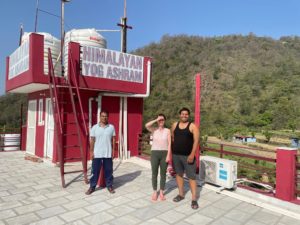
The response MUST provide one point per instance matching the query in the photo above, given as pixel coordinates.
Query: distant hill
(249, 83)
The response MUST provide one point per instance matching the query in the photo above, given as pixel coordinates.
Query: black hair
(104, 111)
(184, 109)
(163, 115)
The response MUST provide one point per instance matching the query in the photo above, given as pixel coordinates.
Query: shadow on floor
(126, 178)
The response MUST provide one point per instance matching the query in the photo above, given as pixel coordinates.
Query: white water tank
(89, 37)
(54, 44)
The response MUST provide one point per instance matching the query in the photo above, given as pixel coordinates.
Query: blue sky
(151, 19)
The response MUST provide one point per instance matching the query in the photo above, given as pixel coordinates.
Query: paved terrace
(30, 193)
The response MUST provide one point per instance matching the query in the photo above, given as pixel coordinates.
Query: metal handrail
(83, 154)
(56, 108)
(239, 154)
(241, 147)
(78, 93)
(52, 78)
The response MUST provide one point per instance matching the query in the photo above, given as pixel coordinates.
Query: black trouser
(158, 159)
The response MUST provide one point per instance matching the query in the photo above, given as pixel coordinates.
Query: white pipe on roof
(90, 113)
(99, 107)
(120, 145)
(125, 127)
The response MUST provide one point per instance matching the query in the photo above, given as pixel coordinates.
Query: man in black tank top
(185, 137)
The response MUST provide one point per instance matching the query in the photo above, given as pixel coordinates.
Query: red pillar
(286, 173)
(197, 109)
(101, 180)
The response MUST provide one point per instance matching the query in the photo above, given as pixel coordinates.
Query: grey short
(181, 165)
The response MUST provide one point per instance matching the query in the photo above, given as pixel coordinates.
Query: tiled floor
(30, 193)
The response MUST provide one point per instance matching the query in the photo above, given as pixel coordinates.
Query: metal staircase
(68, 112)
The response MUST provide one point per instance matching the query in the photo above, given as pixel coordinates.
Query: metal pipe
(62, 35)
(90, 112)
(125, 9)
(124, 34)
(99, 107)
(21, 123)
(108, 30)
(125, 131)
(21, 34)
(36, 16)
(120, 130)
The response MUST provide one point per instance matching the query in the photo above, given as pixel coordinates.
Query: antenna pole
(36, 16)
(125, 8)
(123, 100)
(124, 28)
(21, 34)
(62, 35)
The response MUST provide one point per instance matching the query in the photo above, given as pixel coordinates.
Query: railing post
(139, 144)
(221, 151)
(197, 112)
(286, 173)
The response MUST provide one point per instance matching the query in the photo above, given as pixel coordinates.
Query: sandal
(178, 198)
(194, 205)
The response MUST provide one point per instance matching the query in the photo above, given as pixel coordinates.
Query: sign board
(19, 60)
(113, 65)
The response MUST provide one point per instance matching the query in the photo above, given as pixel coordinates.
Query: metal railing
(256, 167)
(144, 144)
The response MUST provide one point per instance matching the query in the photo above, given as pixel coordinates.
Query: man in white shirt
(102, 143)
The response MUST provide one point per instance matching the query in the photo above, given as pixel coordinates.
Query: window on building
(41, 110)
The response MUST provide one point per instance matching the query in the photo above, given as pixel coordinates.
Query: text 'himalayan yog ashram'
(104, 63)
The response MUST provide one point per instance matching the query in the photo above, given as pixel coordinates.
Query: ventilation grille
(210, 170)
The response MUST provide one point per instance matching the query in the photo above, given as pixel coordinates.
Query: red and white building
(96, 79)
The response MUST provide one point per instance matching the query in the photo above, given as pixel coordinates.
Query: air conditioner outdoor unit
(221, 172)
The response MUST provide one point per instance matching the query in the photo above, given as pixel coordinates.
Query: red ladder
(66, 137)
